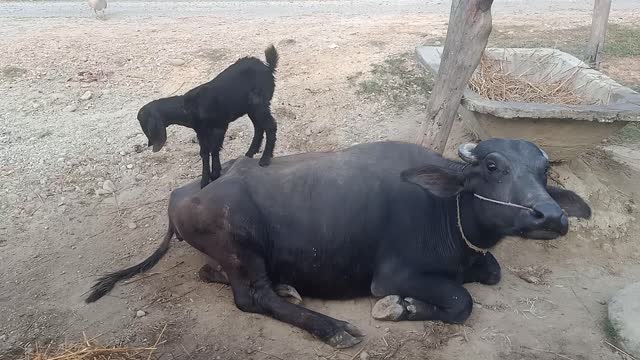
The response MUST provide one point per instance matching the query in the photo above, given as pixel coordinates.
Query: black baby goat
(245, 87)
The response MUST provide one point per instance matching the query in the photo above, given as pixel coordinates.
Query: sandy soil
(57, 234)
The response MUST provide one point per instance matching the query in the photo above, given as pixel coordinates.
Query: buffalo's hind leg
(422, 297)
(213, 273)
(253, 292)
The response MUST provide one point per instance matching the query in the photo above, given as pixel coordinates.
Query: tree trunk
(467, 37)
(595, 47)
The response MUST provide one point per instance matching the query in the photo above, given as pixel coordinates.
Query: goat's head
(153, 126)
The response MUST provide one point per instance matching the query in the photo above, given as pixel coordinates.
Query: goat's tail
(108, 281)
(271, 54)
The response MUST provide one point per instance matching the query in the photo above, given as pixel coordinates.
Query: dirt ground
(58, 146)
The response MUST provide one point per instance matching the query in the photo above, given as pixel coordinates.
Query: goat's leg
(256, 142)
(217, 138)
(204, 155)
(265, 120)
(253, 292)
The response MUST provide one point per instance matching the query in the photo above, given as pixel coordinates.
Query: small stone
(3, 337)
(624, 315)
(86, 96)
(129, 166)
(35, 104)
(109, 186)
(308, 132)
(122, 153)
(388, 308)
(140, 313)
(102, 192)
(132, 225)
(531, 279)
(333, 46)
(437, 43)
(364, 355)
(176, 62)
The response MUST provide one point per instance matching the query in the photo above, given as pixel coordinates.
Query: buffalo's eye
(491, 166)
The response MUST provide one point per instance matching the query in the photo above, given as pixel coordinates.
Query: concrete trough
(563, 131)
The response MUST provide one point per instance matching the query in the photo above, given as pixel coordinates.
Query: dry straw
(491, 81)
(89, 349)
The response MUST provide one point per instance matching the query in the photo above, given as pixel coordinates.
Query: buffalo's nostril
(548, 211)
(538, 214)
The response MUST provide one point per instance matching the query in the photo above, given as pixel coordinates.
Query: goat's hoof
(264, 161)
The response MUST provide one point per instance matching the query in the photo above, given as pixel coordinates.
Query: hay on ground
(89, 349)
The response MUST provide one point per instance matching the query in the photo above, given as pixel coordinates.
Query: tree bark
(595, 47)
(467, 36)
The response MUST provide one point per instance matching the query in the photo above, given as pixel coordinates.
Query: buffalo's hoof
(211, 275)
(346, 338)
(492, 278)
(264, 161)
(250, 154)
(389, 308)
(204, 182)
(289, 293)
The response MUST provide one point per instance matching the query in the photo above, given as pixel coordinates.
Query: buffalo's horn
(465, 151)
(544, 154)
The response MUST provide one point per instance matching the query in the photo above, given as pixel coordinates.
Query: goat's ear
(442, 181)
(157, 132)
(570, 202)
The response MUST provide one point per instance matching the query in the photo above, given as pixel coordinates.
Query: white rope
(503, 203)
(469, 244)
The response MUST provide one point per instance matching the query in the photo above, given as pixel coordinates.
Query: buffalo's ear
(570, 202)
(441, 181)
(157, 132)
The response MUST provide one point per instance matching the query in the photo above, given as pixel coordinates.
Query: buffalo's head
(508, 180)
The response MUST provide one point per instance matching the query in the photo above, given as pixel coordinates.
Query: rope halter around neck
(498, 202)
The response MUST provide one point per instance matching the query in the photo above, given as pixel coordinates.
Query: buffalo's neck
(476, 233)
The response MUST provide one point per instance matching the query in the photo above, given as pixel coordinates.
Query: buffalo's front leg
(421, 297)
(484, 270)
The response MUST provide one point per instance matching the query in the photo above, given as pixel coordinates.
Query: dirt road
(285, 8)
(71, 86)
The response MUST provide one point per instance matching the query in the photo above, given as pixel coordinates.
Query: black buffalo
(386, 218)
